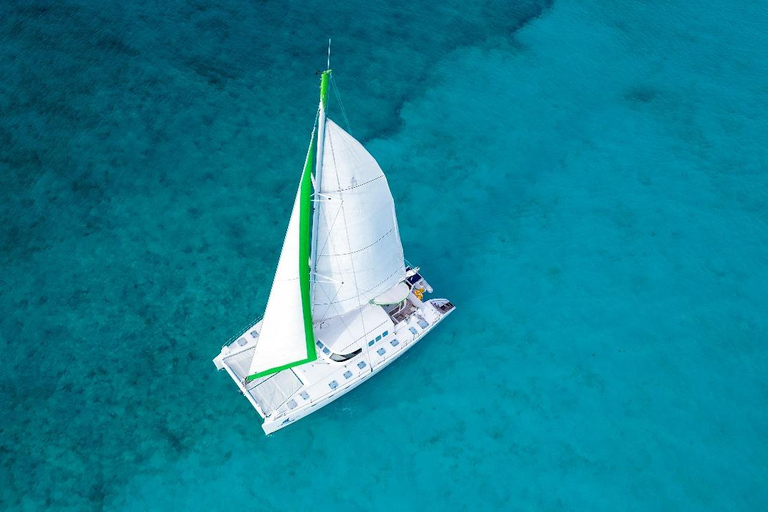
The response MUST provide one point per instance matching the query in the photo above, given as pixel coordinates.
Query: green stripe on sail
(305, 210)
(305, 236)
(279, 369)
(324, 88)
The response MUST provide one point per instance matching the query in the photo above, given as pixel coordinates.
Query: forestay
(359, 253)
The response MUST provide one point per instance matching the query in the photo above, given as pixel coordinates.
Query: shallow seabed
(586, 180)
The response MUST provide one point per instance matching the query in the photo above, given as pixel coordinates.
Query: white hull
(285, 397)
(343, 304)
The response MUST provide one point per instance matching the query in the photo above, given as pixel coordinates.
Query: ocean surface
(587, 181)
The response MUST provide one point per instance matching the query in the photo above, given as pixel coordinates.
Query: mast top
(325, 75)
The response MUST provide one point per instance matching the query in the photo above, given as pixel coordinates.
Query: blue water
(587, 181)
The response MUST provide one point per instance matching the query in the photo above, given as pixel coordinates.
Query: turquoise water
(587, 181)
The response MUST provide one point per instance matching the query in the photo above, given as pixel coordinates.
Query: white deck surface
(292, 394)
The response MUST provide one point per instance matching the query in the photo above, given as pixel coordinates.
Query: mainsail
(287, 338)
(358, 250)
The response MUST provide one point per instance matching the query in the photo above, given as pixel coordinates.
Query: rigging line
(332, 303)
(318, 197)
(320, 251)
(351, 259)
(341, 105)
(328, 236)
(346, 326)
(326, 278)
(313, 217)
(375, 286)
(362, 248)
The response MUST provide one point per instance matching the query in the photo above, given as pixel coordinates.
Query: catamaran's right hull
(273, 425)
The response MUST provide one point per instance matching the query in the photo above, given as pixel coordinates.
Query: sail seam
(354, 186)
(359, 250)
(365, 291)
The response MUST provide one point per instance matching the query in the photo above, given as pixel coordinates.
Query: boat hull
(321, 382)
(271, 426)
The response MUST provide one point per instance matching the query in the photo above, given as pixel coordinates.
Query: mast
(324, 79)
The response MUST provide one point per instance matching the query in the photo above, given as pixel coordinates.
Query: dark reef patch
(641, 94)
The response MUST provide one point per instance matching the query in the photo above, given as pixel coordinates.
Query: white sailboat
(343, 303)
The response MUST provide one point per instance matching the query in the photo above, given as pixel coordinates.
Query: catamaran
(344, 304)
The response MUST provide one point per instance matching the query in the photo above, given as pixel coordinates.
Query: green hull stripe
(305, 211)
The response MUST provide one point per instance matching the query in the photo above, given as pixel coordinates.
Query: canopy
(394, 295)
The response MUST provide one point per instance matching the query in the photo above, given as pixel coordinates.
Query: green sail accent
(305, 233)
(324, 88)
(305, 239)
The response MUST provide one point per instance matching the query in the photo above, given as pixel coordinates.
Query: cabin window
(319, 343)
(381, 351)
(361, 364)
(326, 351)
(394, 343)
(333, 384)
(370, 343)
(347, 374)
(386, 333)
(378, 337)
(413, 331)
(345, 357)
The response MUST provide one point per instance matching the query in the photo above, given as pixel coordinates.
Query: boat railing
(243, 330)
